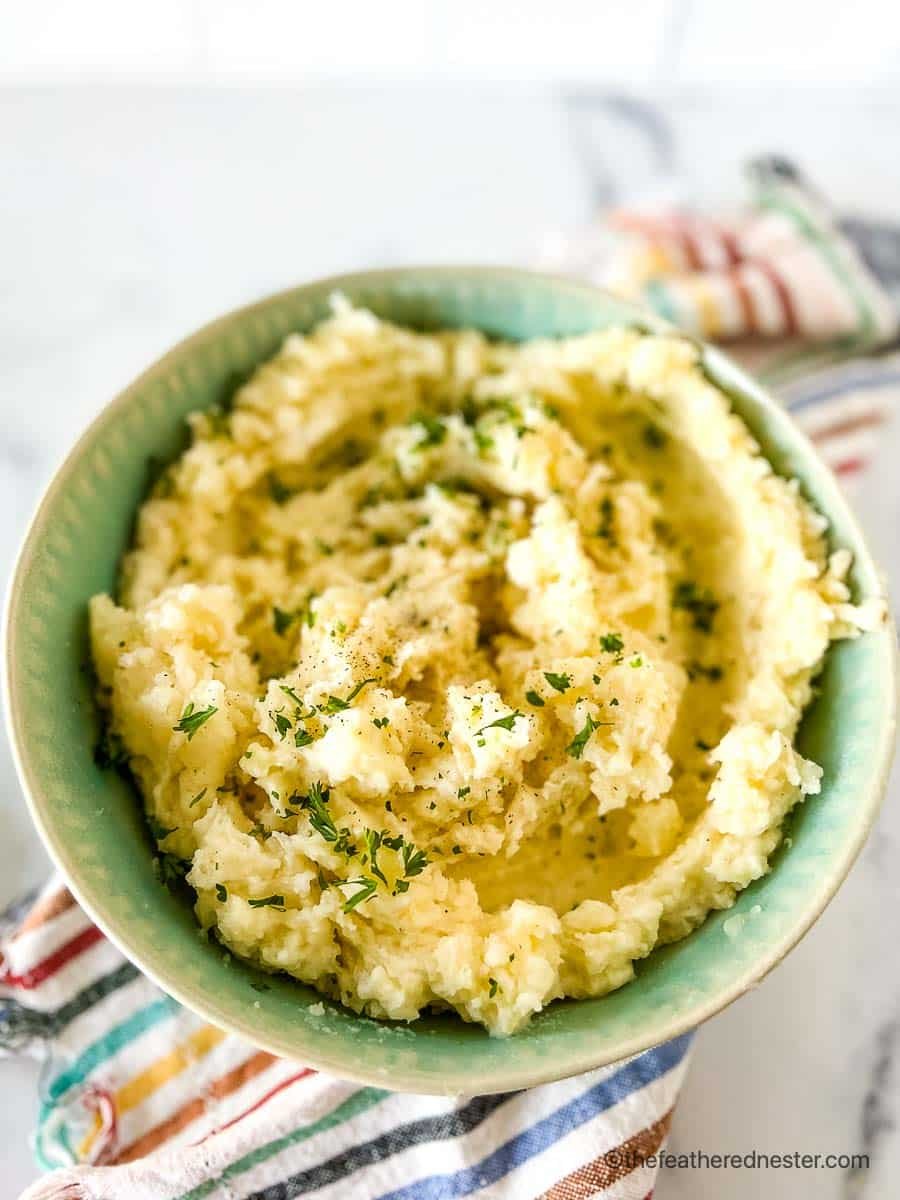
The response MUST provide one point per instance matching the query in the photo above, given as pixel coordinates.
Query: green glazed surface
(90, 819)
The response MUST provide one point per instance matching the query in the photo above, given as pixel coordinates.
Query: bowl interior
(91, 820)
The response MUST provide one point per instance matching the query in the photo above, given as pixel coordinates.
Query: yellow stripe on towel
(136, 1090)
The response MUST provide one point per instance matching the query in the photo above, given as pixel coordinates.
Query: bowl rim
(725, 372)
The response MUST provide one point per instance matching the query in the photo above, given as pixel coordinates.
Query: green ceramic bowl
(91, 820)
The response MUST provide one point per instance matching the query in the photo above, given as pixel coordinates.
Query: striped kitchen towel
(806, 301)
(142, 1100)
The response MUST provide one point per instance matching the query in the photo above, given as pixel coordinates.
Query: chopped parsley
(268, 902)
(280, 492)
(483, 442)
(197, 798)
(414, 861)
(380, 722)
(192, 719)
(373, 839)
(701, 745)
(159, 831)
(534, 699)
(637, 661)
(654, 437)
(170, 869)
(433, 430)
(606, 528)
(367, 887)
(110, 751)
(291, 694)
(697, 670)
(505, 722)
(612, 643)
(561, 683)
(575, 748)
(281, 722)
(396, 583)
(462, 793)
(283, 619)
(699, 602)
(302, 737)
(221, 892)
(493, 988)
(336, 704)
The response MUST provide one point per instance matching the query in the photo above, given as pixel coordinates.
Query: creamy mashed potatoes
(460, 674)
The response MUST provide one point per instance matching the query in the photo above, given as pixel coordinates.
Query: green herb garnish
(268, 902)
(283, 620)
(654, 436)
(561, 683)
(367, 887)
(611, 643)
(606, 529)
(534, 699)
(221, 892)
(713, 673)
(483, 443)
(494, 987)
(280, 492)
(700, 603)
(505, 722)
(433, 430)
(414, 861)
(336, 704)
(281, 723)
(197, 798)
(380, 722)
(191, 719)
(575, 748)
(110, 751)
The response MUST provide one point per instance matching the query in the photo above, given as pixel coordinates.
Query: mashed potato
(460, 674)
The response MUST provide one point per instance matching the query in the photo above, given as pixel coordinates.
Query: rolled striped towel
(806, 301)
(141, 1098)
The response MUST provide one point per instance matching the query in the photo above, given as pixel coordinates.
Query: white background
(161, 163)
(639, 42)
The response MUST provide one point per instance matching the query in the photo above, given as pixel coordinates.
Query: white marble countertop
(131, 216)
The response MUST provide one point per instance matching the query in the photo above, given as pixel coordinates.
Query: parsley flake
(534, 699)
(281, 723)
(561, 683)
(280, 492)
(367, 886)
(192, 719)
(336, 704)
(505, 722)
(268, 902)
(700, 603)
(611, 643)
(575, 748)
(433, 430)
